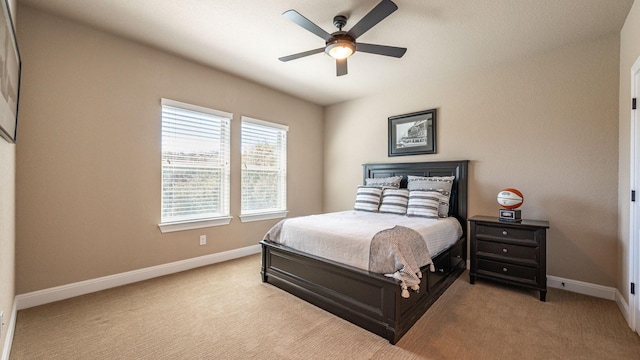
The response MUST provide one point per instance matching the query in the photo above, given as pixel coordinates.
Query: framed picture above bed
(413, 134)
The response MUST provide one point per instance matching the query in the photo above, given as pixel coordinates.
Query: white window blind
(264, 168)
(195, 162)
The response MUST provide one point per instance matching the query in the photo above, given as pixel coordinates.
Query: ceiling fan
(342, 44)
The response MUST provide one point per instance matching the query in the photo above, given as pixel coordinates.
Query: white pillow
(394, 201)
(367, 198)
(423, 204)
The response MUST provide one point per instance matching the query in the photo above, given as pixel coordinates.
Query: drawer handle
(504, 250)
(504, 269)
(504, 232)
(441, 270)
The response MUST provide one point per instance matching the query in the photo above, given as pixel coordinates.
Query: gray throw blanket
(398, 252)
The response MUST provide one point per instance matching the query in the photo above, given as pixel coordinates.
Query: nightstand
(509, 252)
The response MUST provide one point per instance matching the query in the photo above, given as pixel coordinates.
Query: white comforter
(346, 236)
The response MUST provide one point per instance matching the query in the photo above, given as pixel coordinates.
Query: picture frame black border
(417, 150)
(6, 14)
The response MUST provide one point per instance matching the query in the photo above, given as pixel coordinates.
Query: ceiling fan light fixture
(340, 49)
(342, 44)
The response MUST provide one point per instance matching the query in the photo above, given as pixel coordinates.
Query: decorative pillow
(441, 184)
(368, 198)
(452, 201)
(392, 182)
(423, 204)
(394, 201)
(443, 205)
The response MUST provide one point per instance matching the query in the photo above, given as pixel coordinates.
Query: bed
(367, 299)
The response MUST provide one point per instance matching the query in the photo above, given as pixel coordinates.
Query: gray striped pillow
(443, 208)
(368, 198)
(391, 181)
(441, 184)
(394, 201)
(423, 204)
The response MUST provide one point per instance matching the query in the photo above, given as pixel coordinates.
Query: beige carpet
(224, 311)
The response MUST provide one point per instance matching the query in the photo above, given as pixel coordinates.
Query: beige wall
(89, 146)
(88, 160)
(7, 226)
(629, 53)
(546, 125)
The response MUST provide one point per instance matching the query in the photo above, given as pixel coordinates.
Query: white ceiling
(443, 37)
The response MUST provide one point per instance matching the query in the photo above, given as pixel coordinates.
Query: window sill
(197, 224)
(263, 216)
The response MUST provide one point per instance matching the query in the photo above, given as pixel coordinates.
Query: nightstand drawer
(504, 232)
(508, 250)
(516, 272)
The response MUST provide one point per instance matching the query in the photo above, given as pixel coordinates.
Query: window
(264, 170)
(195, 166)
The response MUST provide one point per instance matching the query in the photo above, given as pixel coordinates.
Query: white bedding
(346, 236)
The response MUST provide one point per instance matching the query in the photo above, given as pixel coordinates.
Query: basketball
(510, 198)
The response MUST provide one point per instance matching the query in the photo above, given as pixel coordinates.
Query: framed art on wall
(413, 134)
(9, 75)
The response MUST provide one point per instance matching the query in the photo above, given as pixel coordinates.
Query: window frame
(267, 214)
(205, 221)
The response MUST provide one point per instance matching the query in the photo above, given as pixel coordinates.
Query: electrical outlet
(203, 239)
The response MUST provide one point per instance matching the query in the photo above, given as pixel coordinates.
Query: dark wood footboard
(371, 301)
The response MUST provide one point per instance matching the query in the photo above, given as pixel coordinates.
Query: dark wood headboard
(459, 169)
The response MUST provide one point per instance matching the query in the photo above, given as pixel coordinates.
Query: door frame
(634, 207)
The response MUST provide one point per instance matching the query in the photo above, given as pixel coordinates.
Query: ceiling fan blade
(397, 52)
(306, 23)
(381, 11)
(341, 67)
(302, 54)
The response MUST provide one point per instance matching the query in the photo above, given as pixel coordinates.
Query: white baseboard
(41, 297)
(45, 296)
(8, 340)
(604, 292)
(623, 306)
(599, 291)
